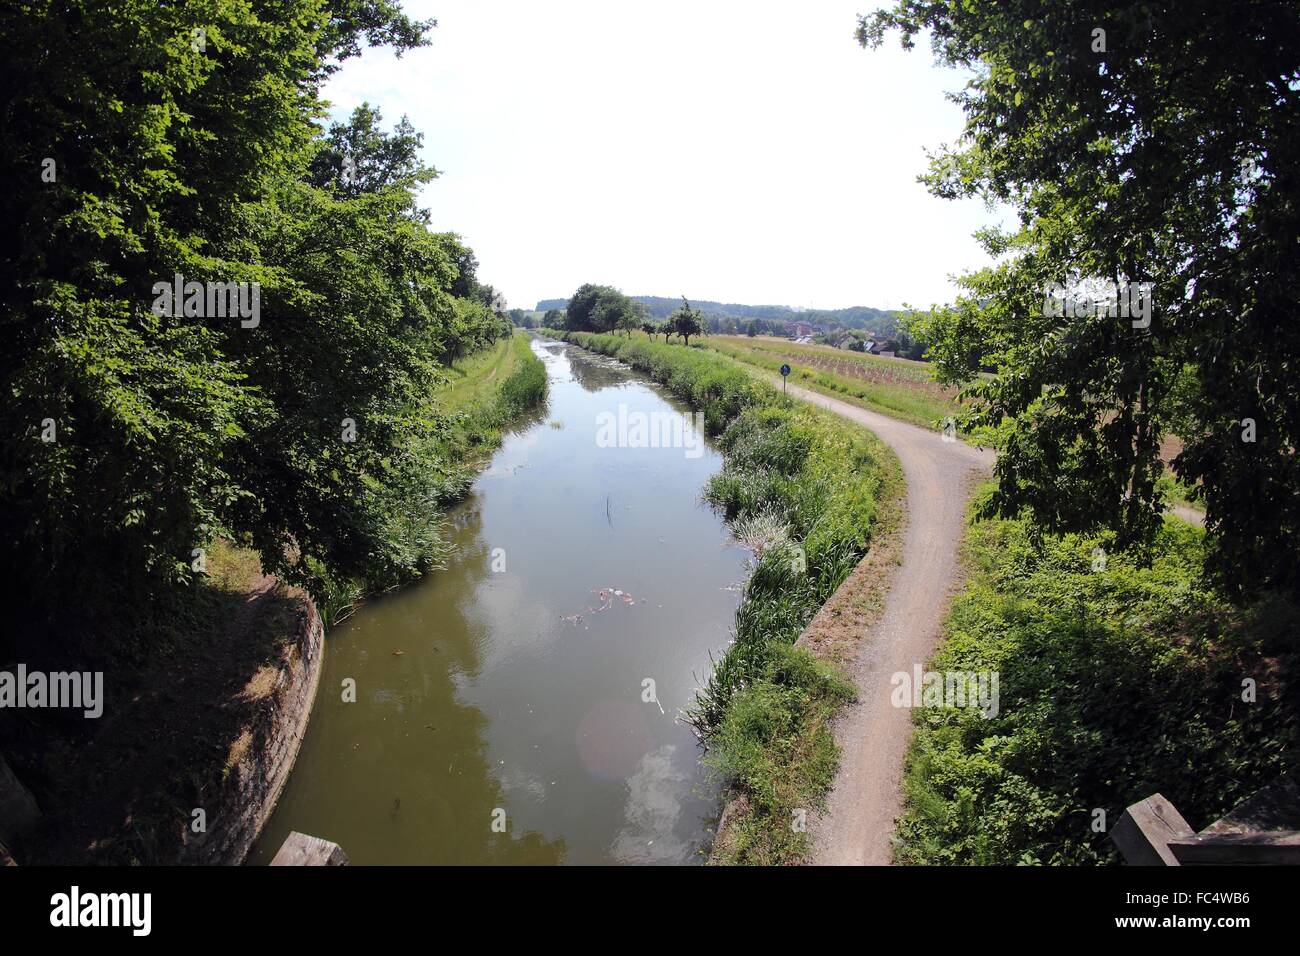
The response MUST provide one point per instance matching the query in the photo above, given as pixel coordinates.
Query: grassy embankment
(1115, 684)
(464, 417)
(803, 488)
(179, 713)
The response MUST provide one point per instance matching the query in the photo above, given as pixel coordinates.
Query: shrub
(1114, 685)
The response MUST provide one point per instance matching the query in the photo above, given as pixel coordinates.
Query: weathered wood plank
(1264, 848)
(299, 849)
(1146, 829)
(1275, 807)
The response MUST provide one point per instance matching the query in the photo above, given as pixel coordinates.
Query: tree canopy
(686, 321)
(145, 142)
(601, 308)
(1153, 155)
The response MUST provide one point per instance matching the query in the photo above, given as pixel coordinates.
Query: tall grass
(808, 485)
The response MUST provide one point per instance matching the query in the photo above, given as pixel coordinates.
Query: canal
(521, 706)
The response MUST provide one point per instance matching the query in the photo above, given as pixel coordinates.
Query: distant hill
(881, 321)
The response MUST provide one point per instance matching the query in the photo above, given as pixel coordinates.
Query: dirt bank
(193, 747)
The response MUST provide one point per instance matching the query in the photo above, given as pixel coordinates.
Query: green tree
(465, 285)
(146, 140)
(601, 308)
(1140, 145)
(359, 157)
(686, 322)
(578, 313)
(615, 313)
(631, 318)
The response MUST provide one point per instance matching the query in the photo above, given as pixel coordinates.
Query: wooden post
(299, 849)
(1146, 829)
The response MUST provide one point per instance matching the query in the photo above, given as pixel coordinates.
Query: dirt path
(1190, 515)
(873, 734)
(858, 824)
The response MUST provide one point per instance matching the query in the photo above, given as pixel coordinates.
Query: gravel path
(873, 735)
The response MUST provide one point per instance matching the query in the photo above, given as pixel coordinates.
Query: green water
(517, 695)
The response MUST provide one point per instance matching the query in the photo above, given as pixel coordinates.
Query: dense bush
(1115, 684)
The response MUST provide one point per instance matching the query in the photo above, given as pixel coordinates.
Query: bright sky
(737, 151)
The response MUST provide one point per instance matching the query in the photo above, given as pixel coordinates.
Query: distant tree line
(735, 319)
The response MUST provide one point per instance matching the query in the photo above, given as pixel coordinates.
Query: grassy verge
(487, 392)
(1177, 492)
(468, 377)
(1115, 684)
(899, 388)
(802, 488)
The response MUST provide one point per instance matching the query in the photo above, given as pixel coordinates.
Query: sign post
(785, 370)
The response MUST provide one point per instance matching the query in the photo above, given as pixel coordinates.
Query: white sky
(736, 151)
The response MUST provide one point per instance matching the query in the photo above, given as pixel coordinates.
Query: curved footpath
(857, 826)
(873, 735)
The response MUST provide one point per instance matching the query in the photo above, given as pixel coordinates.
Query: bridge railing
(1262, 830)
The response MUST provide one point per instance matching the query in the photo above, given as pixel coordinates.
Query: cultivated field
(897, 387)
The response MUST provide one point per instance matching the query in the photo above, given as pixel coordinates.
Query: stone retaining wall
(256, 777)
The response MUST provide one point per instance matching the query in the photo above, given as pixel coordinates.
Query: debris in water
(398, 653)
(605, 600)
